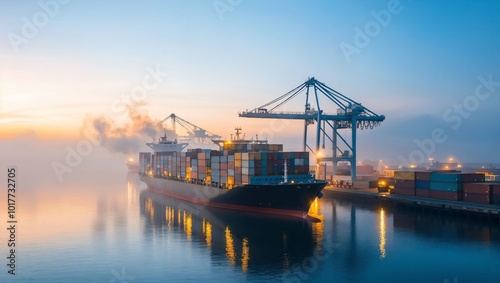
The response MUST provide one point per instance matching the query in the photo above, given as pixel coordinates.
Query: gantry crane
(349, 115)
(195, 133)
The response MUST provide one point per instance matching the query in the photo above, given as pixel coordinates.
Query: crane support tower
(350, 115)
(194, 133)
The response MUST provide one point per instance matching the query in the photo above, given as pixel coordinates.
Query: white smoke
(127, 138)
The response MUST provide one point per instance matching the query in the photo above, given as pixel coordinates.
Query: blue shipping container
(426, 185)
(446, 186)
(446, 177)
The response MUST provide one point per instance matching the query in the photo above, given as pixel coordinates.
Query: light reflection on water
(383, 231)
(92, 233)
(245, 243)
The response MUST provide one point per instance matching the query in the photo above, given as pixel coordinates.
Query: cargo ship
(132, 165)
(245, 175)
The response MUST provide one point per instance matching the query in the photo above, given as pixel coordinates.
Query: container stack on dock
(478, 193)
(449, 186)
(234, 164)
(423, 184)
(404, 183)
(445, 185)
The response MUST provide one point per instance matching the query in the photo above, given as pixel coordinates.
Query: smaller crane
(194, 133)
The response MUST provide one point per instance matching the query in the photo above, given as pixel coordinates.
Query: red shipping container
(472, 177)
(404, 184)
(477, 198)
(423, 193)
(446, 195)
(477, 188)
(423, 176)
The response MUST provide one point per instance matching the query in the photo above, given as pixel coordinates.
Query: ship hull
(132, 167)
(286, 200)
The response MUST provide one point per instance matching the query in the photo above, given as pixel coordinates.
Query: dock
(488, 211)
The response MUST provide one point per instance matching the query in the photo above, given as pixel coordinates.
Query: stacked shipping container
(423, 184)
(404, 183)
(449, 186)
(144, 162)
(232, 165)
(437, 185)
(477, 193)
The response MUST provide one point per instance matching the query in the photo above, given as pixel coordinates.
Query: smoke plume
(127, 138)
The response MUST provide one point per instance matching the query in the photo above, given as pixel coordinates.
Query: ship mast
(238, 129)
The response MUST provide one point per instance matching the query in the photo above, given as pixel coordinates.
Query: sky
(431, 67)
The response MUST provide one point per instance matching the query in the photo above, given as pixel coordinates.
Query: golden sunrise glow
(43, 131)
(41, 218)
(382, 233)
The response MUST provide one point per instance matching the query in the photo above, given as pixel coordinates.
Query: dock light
(459, 166)
(413, 166)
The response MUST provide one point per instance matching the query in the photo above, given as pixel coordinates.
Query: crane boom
(195, 133)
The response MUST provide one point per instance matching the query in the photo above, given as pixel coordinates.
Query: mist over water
(99, 224)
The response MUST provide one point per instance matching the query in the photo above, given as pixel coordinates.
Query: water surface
(110, 229)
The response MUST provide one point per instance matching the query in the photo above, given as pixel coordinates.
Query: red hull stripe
(260, 210)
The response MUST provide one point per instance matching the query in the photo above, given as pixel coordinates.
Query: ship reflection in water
(244, 240)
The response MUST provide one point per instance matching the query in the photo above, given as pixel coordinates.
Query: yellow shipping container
(404, 175)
